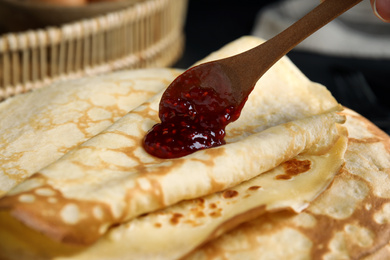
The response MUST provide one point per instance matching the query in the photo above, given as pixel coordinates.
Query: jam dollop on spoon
(194, 111)
(198, 105)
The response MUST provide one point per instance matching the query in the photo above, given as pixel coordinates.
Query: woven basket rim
(35, 58)
(72, 30)
(46, 6)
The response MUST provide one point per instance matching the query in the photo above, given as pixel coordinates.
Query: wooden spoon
(245, 69)
(201, 102)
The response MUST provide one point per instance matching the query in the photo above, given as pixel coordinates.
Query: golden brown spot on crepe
(146, 214)
(191, 222)
(253, 188)
(228, 194)
(200, 214)
(364, 140)
(213, 206)
(175, 218)
(293, 168)
(283, 177)
(216, 213)
(199, 206)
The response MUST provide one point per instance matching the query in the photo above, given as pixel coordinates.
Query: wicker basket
(146, 34)
(23, 15)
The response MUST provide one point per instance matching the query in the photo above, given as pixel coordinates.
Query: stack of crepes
(290, 183)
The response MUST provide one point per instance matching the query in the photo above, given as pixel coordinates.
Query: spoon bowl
(245, 69)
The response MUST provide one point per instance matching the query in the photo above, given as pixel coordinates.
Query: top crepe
(39, 127)
(110, 179)
(175, 231)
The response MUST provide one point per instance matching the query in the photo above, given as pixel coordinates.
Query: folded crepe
(188, 224)
(350, 220)
(288, 133)
(39, 127)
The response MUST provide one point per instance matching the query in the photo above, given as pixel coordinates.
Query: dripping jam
(194, 111)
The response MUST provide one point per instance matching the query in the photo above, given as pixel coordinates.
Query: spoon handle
(262, 57)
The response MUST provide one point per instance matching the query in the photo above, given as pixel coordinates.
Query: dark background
(360, 84)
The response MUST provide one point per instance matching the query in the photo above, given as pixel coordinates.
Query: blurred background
(42, 43)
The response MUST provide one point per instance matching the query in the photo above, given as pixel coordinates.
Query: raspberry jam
(194, 111)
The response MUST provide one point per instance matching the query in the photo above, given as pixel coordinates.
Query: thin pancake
(348, 221)
(187, 225)
(110, 179)
(39, 127)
